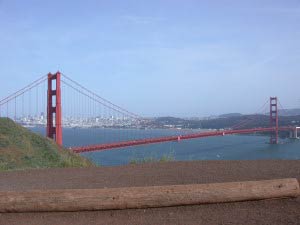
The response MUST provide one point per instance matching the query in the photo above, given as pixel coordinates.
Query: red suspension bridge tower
(54, 108)
(274, 120)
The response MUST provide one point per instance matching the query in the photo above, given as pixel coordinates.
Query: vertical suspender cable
(37, 103)
(15, 109)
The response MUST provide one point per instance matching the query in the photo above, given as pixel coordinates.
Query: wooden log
(144, 197)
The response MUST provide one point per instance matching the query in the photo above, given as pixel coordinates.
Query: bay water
(234, 147)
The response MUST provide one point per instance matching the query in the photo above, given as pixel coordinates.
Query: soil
(279, 211)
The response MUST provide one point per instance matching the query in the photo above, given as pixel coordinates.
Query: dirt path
(284, 211)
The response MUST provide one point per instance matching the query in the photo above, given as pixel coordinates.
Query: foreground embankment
(283, 211)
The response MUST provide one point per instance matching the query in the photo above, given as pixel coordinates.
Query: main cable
(103, 99)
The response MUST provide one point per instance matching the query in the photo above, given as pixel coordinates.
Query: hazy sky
(167, 57)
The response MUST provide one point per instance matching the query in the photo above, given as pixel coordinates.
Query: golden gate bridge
(57, 93)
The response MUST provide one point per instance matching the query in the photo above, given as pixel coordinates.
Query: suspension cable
(103, 99)
(23, 90)
(243, 123)
(96, 100)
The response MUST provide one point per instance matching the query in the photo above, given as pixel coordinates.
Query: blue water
(235, 147)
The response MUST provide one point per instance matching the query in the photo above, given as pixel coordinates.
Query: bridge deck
(110, 146)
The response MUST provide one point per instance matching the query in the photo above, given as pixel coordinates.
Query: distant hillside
(254, 121)
(225, 122)
(289, 112)
(230, 115)
(22, 149)
(281, 112)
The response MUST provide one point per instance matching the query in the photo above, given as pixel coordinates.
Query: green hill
(23, 149)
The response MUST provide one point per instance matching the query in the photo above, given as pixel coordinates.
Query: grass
(22, 149)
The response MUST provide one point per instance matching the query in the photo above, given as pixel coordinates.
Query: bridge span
(82, 106)
(110, 146)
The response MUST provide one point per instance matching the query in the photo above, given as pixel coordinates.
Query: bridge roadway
(111, 146)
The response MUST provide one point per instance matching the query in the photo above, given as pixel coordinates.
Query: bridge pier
(294, 133)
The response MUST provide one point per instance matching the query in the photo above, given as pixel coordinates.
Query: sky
(160, 57)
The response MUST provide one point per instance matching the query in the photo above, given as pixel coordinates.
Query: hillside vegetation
(23, 149)
(226, 121)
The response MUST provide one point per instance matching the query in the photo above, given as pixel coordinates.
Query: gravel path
(283, 211)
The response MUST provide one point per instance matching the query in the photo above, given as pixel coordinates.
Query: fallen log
(145, 197)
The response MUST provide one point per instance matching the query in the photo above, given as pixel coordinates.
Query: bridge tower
(54, 108)
(274, 120)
